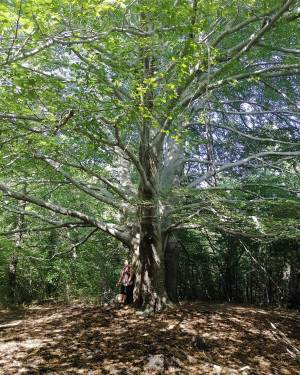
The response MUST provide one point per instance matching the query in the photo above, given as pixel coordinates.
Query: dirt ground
(195, 338)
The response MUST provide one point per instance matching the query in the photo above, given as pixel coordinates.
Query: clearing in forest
(196, 338)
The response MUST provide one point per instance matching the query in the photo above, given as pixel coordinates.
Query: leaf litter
(193, 338)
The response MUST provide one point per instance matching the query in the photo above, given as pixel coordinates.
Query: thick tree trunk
(149, 254)
(156, 255)
(150, 291)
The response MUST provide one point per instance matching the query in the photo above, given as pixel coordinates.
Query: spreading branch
(112, 229)
(240, 163)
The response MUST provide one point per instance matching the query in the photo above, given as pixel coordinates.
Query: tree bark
(12, 273)
(150, 291)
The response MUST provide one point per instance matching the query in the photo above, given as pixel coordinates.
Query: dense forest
(167, 132)
(213, 269)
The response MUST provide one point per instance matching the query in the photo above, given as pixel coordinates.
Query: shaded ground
(196, 338)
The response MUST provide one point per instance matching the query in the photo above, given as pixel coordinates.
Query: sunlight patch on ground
(16, 345)
(49, 318)
(13, 352)
(95, 340)
(11, 324)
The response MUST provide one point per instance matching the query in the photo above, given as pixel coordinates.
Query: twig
(212, 364)
(281, 337)
(16, 32)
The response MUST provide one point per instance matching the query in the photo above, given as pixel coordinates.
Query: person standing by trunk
(126, 281)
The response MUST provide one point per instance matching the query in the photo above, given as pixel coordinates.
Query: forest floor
(194, 338)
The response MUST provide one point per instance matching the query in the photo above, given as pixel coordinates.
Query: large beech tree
(142, 118)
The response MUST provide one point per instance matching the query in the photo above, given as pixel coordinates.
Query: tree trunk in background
(12, 272)
(294, 300)
(172, 267)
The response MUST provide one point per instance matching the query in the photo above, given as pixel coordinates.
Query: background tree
(143, 120)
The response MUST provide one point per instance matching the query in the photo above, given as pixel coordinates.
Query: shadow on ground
(196, 338)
